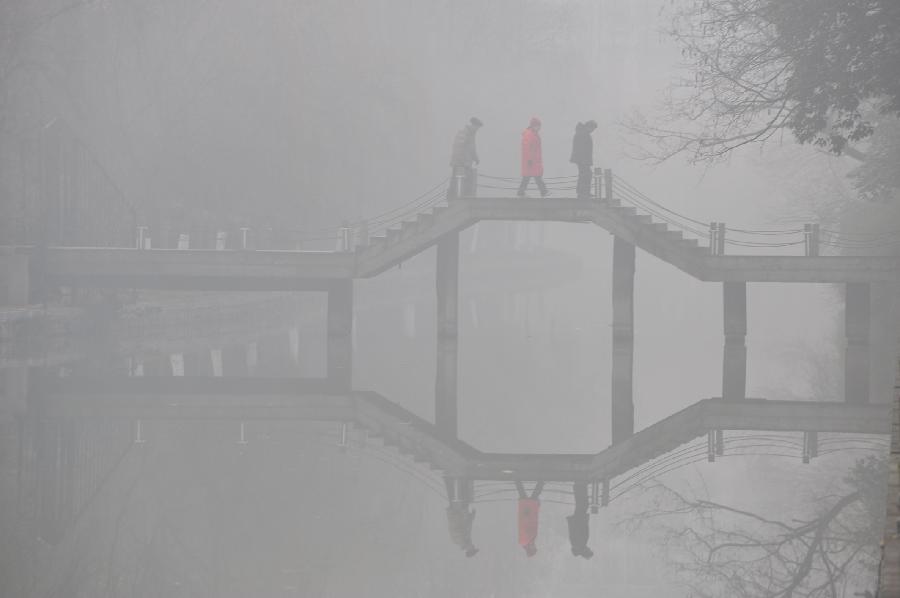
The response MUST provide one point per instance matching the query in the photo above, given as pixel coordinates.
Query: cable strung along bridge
(367, 248)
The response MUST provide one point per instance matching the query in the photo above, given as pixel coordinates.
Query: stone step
(674, 235)
(659, 227)
(393, 234)
(408, 228)
(377, 241)
(627, 210)
(644, 218)
(438, 211)
(425, 219)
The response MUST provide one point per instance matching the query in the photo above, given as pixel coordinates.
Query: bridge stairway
(422, 441)
(417, 234)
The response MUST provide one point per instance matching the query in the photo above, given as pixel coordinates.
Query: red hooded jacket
(532, 162)
(529, 508)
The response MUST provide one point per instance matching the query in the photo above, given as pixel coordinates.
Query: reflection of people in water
(529, 509)
(459, 516)
(579, 524)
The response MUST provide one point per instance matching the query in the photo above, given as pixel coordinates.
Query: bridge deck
(306, 270)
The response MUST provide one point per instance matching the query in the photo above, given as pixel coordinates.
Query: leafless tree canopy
(720, 550)
(759, 67)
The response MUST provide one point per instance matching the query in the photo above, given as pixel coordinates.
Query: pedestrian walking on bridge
(532, 158)
(529, 510)
(463, 159)
(583, 156)
(579, 523)
(459, 516)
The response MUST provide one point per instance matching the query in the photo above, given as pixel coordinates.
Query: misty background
(307, 114)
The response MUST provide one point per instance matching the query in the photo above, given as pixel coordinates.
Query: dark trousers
(466, 184)
(581, 497)
(459, 489)
(583, 188)
(536, 493)
(540, 183)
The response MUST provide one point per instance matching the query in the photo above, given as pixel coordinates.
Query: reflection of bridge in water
(74, 430)
(77, 429)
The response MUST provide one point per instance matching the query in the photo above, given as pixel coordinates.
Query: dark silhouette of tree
(720, 550)
(819, 69)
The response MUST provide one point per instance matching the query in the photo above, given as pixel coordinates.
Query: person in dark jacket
(583, 156)
(579, 523)
(459, 516)
(528, 512)
(463, 159)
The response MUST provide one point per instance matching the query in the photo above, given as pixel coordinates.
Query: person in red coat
(532, 161)
(529, 509)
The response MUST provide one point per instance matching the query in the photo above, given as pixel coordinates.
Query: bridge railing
(810, 239)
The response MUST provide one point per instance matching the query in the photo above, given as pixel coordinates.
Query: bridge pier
(734, 353)
(857, 326)
(446, 416)
(340, 334)
(623, 340)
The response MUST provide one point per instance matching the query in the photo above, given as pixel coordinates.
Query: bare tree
(721, 550)
(760, 67)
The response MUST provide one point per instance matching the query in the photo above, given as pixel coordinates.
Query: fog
(160, 434)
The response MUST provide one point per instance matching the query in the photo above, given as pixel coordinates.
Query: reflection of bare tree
(720, 550)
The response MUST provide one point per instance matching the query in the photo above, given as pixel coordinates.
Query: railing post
(807, 240)
(345, 237)
(814, 240)
(141, 231)
(458, 178)
(598, 183)
(244, 231)
(139, 432)
(595, 496)
(720, 239)
(810, 446)
(711, 446)
(609, 184)
(473, 184)
(713, 245)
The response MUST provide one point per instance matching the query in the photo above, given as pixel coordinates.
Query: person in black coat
(459, 516)
(579, 524)
(463, 159)
(583, 156)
